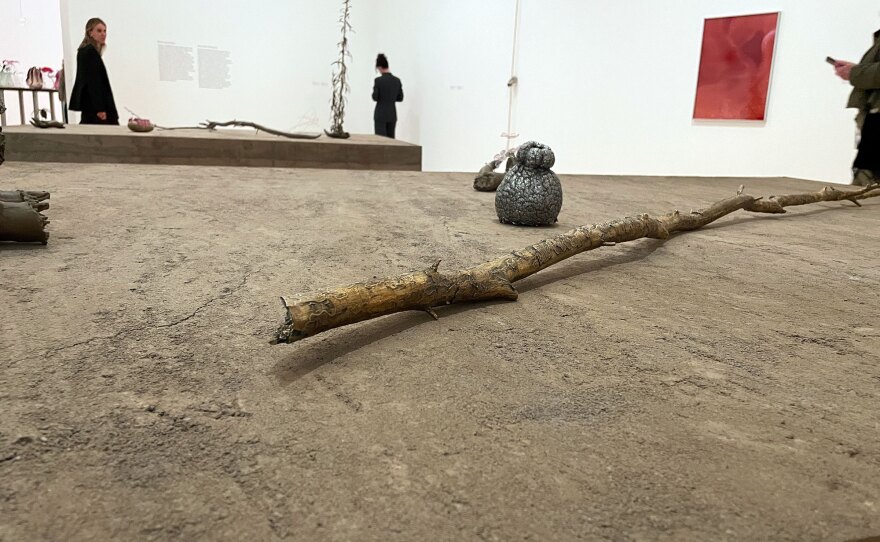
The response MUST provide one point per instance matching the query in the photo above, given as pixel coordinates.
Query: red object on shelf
(735, 64)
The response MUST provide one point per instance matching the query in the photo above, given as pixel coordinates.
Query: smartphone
(830, 60)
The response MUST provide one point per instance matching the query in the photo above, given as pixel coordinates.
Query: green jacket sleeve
(865, 76)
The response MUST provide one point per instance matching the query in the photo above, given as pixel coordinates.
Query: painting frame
(737, 55)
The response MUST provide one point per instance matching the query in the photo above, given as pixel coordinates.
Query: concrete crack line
(207, 303)
(124, 332)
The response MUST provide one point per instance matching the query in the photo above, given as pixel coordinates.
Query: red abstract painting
(735, 67)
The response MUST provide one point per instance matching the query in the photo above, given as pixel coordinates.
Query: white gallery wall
(610, 85)
(30, 32)
(454, 60)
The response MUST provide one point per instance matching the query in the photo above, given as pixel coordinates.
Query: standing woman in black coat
(91, 92)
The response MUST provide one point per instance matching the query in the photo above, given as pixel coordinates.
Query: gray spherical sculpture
(530, 194)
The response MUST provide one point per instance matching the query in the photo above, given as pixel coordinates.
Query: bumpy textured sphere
(534, 154)
(530, 194)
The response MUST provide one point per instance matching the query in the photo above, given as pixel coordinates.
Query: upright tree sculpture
(340, 77)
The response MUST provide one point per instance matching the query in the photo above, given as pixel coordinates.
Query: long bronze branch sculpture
(307, 315)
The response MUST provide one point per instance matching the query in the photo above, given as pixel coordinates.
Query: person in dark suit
(387, 90)
(91, 92)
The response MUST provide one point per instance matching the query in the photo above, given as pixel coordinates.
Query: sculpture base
(222, 147)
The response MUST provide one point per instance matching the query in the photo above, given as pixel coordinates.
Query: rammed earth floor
(722, 384)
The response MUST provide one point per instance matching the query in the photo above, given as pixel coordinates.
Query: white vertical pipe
(511, 90)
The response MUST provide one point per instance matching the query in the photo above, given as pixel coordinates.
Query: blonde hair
(87, 40)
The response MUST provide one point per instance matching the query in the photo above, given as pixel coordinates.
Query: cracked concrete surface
(720, 385)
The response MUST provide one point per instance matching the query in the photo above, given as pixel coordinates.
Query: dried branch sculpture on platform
(340, 77)
(20, 217)
(40, 120)
(213, 125)
(309, 315)
(40, 123)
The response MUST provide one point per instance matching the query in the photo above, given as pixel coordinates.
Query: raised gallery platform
(222, 147)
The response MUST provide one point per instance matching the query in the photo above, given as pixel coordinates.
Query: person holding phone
(865, 97)
(91, 92)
